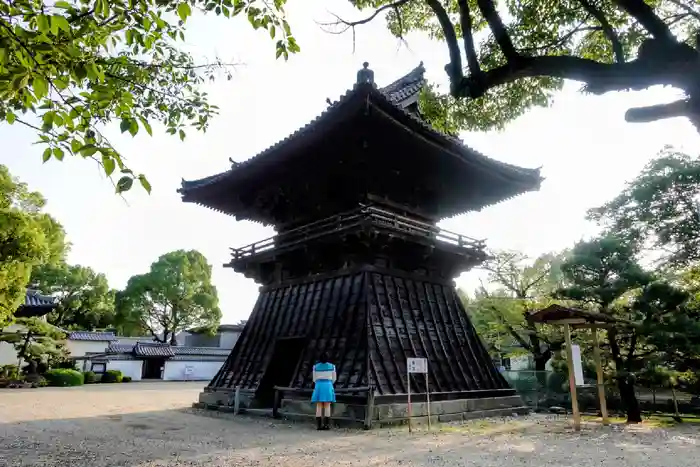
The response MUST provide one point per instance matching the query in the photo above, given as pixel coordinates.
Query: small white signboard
(189, 369)
(417, 365)
(578, 366)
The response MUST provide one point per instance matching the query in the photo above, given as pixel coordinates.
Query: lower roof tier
(363, 145)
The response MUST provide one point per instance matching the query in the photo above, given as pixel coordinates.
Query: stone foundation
(382, 414)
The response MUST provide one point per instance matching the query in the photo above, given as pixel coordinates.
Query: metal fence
(544, 389)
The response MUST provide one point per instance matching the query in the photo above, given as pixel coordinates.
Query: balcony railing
(364, 216)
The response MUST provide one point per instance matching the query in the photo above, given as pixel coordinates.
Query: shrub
(9, 372)
(91, 377)
(126, 379)
(112, 376)
(64, 377)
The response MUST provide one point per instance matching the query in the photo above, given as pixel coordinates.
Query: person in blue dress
(324, 376)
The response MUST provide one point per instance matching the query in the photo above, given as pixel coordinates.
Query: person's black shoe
(326, 423)
(319, 423)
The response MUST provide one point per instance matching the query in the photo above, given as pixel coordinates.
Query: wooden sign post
(417, 365)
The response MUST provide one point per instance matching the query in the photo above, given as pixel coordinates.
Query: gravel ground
(150, 424)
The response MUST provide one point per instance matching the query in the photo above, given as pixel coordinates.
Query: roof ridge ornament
(365, 76)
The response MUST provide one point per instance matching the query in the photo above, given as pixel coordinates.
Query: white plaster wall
(228, 339)
(131, 368)
(521, 363)
(202, 371)
(8, 356)
(80, 348)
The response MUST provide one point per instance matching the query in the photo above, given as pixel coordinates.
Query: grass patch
(654, 421)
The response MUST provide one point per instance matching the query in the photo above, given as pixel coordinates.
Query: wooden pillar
(599, 377)
(572, 378)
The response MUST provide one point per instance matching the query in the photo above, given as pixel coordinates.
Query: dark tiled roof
(92, 336)
(34, 298)
(401, 91)
(117, 347)
(210, 351)
(152, 349)
(221, 328)
(390, 99)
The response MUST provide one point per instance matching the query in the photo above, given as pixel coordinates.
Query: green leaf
(88, 150)
(184, 10)
(10, 117)
(145, 184)
(272, 31)
(182, 135)
(124, 125)
(47, 154)
(58, 153)
(60, 22)
(108, 164)
(146, 125)
(64, 5)
(41, 87)
(124, 184)
(43, 23)
(133, 126)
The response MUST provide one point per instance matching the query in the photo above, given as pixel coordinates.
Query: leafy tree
(37, 342)
(506, 57)
(28, 237)
(176, 294)
(68, 68)
(605, 275)
(501, 317)
(659, 208)
(85, 300)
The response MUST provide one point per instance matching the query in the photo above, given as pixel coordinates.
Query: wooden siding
(369, 322)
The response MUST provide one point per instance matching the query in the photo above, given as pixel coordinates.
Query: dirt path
(151, 425)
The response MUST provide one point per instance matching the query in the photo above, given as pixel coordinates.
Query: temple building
(358, 267)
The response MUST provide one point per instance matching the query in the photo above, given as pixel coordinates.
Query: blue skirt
(323, 392)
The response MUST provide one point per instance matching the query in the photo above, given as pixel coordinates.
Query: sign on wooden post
(578, 366)
(417, 365)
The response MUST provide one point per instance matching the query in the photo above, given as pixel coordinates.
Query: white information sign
(417, 365)
(189, 369)
(578, 367)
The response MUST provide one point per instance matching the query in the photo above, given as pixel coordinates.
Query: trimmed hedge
(126, 379)
(112, 376)
(64, 377)
(90, 377)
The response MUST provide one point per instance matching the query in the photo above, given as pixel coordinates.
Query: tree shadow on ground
(189, 437)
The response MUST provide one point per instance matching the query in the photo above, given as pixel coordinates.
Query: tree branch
(488, 10)
(465, 21)
(644, 13)
(687, 8)
(454, 68)
(608, 30)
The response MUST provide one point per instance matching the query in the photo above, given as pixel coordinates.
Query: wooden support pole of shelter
(572, 378)
(599, 377)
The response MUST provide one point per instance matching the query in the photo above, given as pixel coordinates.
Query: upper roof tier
(371, 144)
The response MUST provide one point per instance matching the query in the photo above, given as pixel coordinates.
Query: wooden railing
(365, 215)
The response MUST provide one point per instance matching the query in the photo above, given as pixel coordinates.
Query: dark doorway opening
(283, 365)
(153, 368)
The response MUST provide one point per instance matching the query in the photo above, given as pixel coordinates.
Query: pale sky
(583, 144)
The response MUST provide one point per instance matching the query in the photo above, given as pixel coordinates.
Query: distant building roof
(156, 349)
(153, 349)
(92, 336)
(36, 304)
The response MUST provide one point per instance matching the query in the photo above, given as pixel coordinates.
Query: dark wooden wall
(369, 322)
